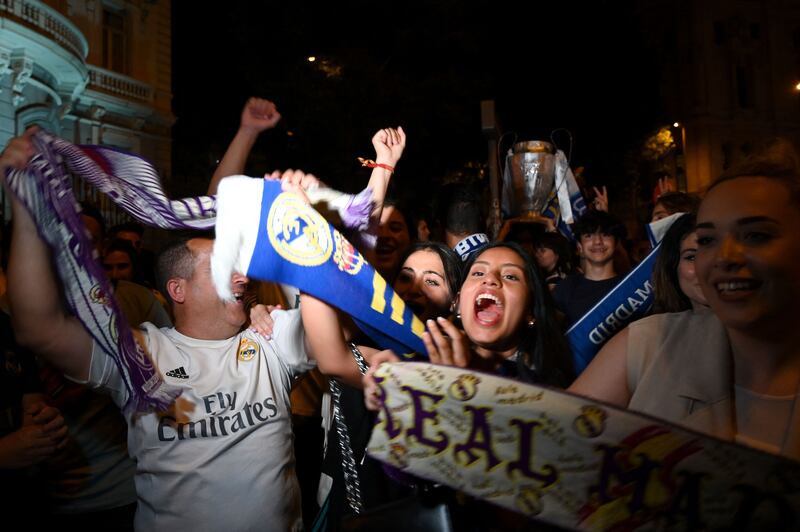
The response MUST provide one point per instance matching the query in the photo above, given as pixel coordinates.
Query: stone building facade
(91, 71)
(729, 76)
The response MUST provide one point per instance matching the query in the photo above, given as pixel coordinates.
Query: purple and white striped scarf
(45, 188)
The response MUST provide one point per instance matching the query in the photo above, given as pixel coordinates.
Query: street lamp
(680, 179)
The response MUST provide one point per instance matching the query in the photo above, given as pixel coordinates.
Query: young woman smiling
(733, 373)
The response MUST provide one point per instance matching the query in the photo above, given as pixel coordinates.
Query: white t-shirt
(221, 457)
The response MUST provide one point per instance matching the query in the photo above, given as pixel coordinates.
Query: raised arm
(39, 318)
(326, 341)
(389, 144)
(258, 115)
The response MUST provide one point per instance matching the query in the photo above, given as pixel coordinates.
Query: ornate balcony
(119, 85)
(46, 21)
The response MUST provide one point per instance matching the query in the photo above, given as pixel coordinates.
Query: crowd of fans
(718, 353)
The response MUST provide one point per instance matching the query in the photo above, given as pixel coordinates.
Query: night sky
(423, 65)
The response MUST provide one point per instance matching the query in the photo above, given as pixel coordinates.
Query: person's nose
(383, 231)
(490, 279)
(239, 278)
(416, 291)
(730, 253)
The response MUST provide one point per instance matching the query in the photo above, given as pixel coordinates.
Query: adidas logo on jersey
(178, 373)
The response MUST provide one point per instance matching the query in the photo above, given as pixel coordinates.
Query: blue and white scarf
(272, 235)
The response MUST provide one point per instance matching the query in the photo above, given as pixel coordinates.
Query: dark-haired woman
(675, 282)
(508, 320)
(426, 281)
(509, 327)
(553, 258)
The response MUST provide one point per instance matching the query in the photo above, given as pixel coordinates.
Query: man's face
(393, 240)
(118, 266)
(221, 319)
(598, 247)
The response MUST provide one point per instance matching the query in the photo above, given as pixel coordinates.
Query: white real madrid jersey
(221, 457)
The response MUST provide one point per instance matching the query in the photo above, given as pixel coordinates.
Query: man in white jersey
(221, 457)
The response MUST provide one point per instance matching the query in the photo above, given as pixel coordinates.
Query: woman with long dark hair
(675, 282)
(426, 281)
(554, 258)
(508, 320)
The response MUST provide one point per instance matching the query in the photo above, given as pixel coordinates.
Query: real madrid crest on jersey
(297, 233)
(248, 349)
(346, 257)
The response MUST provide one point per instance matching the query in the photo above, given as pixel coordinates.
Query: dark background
(423, 65)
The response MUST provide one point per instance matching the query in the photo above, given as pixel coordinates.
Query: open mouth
(737, 287)
(385, 247)
(238, 295)
(488, 309)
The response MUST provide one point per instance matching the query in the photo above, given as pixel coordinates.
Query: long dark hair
(668, 294)
(450, 261)
(544, 354)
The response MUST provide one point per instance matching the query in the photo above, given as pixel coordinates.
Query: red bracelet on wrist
(372, 164)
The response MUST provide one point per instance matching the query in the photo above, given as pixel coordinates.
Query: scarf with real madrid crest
(273, 235)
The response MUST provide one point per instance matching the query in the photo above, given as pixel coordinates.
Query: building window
(115, 53)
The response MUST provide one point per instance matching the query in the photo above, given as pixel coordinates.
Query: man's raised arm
(258, 115)
(40, 320)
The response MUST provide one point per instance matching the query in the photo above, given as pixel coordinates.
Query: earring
(531, 323)
(458, 315)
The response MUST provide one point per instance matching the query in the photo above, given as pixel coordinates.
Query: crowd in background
(717, 354)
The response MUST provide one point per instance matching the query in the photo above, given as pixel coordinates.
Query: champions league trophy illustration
(528, 183)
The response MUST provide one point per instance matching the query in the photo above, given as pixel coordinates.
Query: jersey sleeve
(105, 375)
(289, 340)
